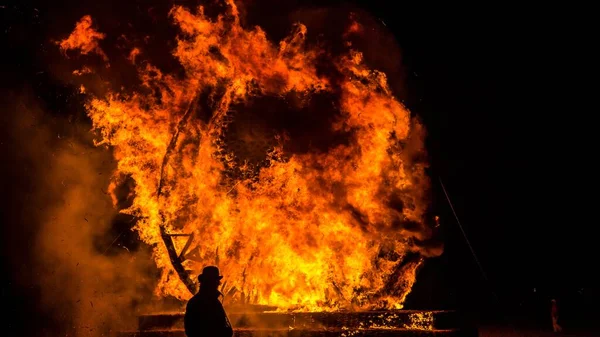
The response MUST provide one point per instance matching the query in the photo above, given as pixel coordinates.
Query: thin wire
(466, 238)
(113, 242)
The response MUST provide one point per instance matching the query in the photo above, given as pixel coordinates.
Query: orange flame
(84, 38)
(320, 229)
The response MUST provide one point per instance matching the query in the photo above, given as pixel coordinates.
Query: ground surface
(520, 332)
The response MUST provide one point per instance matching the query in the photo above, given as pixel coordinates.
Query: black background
(501, 90)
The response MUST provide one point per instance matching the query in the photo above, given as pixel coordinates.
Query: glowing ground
(271, 324)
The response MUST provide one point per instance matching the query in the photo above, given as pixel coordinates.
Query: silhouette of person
(554, 313)
(204, 314)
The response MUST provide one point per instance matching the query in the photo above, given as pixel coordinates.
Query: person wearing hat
(204, 314)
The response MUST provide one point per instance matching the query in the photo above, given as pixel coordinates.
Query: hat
(210, 273)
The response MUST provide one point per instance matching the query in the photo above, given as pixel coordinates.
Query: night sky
(499, 94)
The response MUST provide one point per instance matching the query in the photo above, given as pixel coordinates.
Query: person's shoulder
(199, 301)
(193, 301)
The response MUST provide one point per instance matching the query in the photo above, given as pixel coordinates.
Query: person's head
(210, 278)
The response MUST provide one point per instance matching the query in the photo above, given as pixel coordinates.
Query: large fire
(297, 215)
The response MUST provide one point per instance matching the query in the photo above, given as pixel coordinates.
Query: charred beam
(176, 260)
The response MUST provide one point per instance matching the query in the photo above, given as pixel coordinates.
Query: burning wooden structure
(290, 165)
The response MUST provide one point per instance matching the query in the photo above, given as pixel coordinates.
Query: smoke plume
(90, 278)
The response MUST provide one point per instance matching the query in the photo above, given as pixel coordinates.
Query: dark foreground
(395, 323)
(483, 332)
(499, 331)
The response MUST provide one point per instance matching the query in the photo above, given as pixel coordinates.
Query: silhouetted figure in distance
(204, 314)
(554, 314)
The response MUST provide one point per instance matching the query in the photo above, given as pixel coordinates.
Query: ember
(305, 186)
